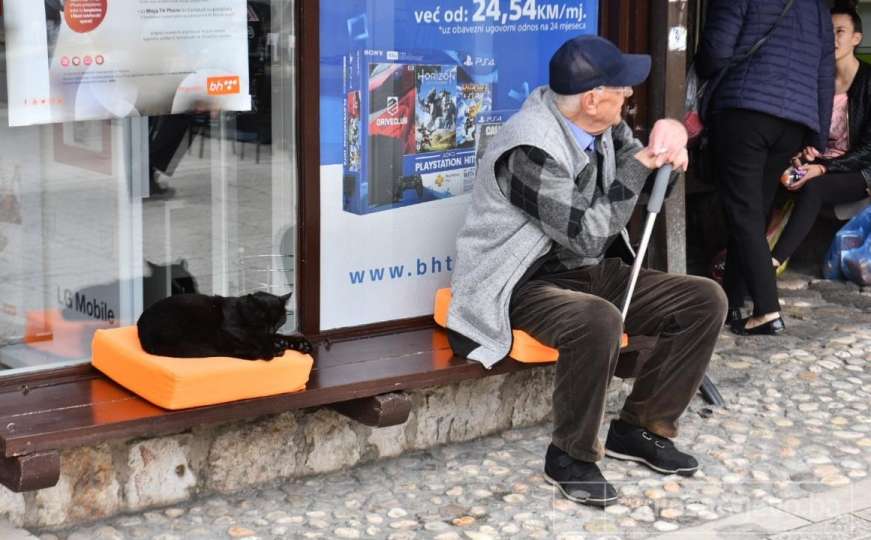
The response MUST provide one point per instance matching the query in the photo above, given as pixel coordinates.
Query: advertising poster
(70, 60)
(410, 90)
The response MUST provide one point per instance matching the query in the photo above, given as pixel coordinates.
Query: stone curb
(791, 515)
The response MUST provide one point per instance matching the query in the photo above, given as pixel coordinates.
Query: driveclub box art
(410, 127)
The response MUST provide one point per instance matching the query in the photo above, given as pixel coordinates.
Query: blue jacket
(792, 76)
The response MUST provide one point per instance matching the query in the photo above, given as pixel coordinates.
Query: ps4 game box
(487, 126)
(474, 99)
(411, 121)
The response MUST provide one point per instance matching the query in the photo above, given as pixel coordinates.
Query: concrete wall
(131, 475)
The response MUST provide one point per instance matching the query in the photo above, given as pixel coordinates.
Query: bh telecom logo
(222, 86)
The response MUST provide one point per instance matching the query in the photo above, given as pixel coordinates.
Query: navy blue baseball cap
(587, 62)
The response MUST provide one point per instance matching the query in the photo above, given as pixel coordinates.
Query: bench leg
(377, 411)
(30, 472)
(710, 393)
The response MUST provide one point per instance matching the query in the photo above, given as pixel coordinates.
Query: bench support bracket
(377, 411)
(30, 472)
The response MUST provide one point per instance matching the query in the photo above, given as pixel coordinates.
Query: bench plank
(90, 408)
(14, 402)
(113, 412)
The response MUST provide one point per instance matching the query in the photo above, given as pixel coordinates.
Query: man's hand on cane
(668, 142)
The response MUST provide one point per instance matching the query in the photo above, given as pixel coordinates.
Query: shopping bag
(851, 236)
(692, 119)
(856, 263)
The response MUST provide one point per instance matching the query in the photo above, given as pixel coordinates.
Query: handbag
(699, 92)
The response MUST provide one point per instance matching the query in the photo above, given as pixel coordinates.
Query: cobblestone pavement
(797, 426)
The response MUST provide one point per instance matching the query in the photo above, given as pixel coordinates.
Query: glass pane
(100, 219)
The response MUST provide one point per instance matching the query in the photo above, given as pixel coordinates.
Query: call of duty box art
(417, 141)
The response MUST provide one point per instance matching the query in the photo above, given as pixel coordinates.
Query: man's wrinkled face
(611, 100)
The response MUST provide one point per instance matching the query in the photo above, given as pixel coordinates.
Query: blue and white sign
(405, 87)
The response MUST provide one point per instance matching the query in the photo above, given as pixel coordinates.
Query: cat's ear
(183, 263)
(285, 298)
(151, 265)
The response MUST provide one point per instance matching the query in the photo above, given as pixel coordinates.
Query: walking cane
(654, 204)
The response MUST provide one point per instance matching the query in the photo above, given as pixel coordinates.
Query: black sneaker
(578, 481)
(632, 443)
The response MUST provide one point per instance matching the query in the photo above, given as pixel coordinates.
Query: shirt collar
(585, 140)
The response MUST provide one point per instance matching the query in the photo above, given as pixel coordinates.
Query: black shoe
(159, 191)
(578, 481)
(771, 328)
(733, 316)
(631, 443)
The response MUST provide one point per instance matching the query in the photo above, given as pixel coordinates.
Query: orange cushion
(178, 383)
(525, 348)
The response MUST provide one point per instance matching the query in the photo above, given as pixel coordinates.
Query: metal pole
(708, 389)
(654, 205)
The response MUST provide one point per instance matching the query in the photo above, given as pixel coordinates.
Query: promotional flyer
(70, 60)
(410, 90)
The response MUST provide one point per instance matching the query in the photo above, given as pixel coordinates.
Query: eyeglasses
(627, 91)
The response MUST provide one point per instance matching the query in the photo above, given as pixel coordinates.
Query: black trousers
(752, 149)
(167, 134)
(576, 312)
(829, 190)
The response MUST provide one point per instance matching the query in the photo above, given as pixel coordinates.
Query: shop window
(101, 218)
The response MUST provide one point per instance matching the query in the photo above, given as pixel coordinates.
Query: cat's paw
(278, 347)
(300, 344)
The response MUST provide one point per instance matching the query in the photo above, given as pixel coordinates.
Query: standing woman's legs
(748, 143)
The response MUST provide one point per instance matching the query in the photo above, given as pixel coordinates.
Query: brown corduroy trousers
(576, 312)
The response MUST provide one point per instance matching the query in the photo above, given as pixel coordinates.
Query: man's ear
(589, 102)
(857, 39)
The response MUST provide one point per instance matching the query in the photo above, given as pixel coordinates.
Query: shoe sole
(588, 501)
(738, 328)
(743, 332)
(626, 457)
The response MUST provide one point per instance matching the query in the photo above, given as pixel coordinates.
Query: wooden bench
(361, 378)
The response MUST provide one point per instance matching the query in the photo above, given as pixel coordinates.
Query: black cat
(196, 325)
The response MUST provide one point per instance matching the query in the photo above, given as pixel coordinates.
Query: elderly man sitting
(556, 186)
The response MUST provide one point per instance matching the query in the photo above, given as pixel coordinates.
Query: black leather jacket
(858, 157)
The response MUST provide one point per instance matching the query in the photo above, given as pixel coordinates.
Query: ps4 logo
(392, 105)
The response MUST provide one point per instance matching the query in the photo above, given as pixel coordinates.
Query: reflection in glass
(98, 220)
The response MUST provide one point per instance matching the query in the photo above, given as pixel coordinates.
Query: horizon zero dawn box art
(411, 127)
